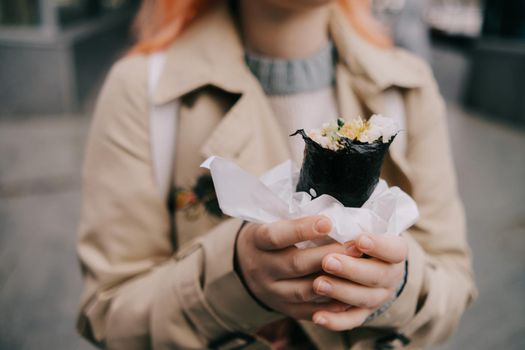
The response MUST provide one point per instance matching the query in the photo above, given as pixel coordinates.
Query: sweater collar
(279, 76)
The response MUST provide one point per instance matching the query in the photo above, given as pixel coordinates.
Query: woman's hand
(365, 284)
(277, 273)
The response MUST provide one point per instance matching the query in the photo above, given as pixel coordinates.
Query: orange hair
(159, 22)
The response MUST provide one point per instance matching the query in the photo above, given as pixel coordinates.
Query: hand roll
(344, 159)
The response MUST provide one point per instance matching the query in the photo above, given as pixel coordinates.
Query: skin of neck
(278, 29)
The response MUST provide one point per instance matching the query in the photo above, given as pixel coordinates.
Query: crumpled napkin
(272, 197)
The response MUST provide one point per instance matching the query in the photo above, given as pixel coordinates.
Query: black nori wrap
(350, 174)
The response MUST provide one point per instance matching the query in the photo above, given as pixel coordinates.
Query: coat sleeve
(138, 292)
(440, 281)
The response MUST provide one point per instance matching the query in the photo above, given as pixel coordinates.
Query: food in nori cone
(344, 160)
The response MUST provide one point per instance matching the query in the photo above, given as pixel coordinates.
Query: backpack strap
(163, 127)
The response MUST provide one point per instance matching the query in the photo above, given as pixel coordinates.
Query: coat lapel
(210, 53)
(222, 112)
(249, 135)
(370, 71)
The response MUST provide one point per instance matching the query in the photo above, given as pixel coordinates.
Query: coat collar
(375, 68)
(210, 52)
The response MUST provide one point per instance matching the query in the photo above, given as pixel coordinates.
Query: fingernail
(320, 320)
(323, 225)
(365, 243)
(324, 287)
(332, 264)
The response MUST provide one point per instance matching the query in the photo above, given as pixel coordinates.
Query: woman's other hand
(365, 284)
(280, 275)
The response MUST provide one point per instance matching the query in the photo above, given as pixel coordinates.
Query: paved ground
(39, 208)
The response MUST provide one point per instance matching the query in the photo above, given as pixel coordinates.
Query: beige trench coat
(145, 288)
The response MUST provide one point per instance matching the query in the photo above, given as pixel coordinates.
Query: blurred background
(54, 55)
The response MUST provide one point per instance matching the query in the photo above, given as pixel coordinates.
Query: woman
(246, 73)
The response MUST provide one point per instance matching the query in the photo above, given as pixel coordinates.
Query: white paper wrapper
(272, 197)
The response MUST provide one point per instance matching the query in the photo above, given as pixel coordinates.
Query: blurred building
(491, 35)
(455, 17)
(497, 78)
(53, 53)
